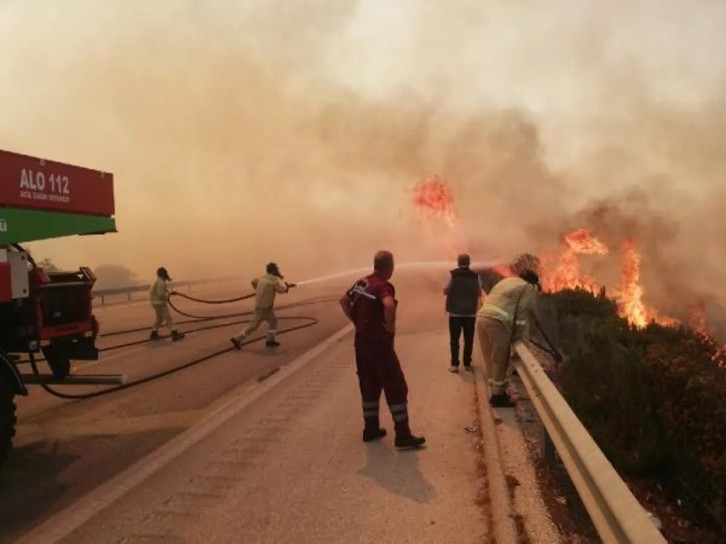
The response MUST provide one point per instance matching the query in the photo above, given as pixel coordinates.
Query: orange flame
(582, 242)
(697, 319)
(434, 202)
(698, 323)
(563, 271)
(503, 270)
(433, 199)
(630, 297)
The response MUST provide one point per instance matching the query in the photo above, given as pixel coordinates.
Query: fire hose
(194, 319)
(550, 348)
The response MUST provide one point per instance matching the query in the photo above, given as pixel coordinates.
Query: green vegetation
(653, 399)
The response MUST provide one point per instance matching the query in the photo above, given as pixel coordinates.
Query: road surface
(235, 450)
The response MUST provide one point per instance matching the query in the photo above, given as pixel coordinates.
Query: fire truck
(45, 313)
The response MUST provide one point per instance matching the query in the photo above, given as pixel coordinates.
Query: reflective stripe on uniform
(504, 314)
(399, 412)
(498, 310)
(361, 291)
(370, 409)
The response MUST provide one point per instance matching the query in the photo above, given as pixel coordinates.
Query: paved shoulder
(291, 467)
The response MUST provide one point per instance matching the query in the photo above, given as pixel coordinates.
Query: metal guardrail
(102, 294)
(616, 513)
(129, 290)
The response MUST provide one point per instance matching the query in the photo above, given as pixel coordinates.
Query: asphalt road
(67, 449)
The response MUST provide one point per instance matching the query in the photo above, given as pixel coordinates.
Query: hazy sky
(241, 132)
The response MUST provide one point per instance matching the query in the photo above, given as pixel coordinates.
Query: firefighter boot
(176, 336)
(372, 429)
(373, 434)
(404, 439)
(271, 341)
(154, 335)
(409, 442)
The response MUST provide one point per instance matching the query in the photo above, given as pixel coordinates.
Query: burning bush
(652, 398)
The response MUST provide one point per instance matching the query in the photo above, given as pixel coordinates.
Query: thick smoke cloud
(253, 131)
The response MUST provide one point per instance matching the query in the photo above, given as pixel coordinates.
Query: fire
(434, 203)
(433, 199)
(697, 319)
(563, 271)
(630, 297)
(504, 270)
(699, 325)
(583, 242)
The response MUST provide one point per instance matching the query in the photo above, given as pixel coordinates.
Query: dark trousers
(379, 370)
(456, 325)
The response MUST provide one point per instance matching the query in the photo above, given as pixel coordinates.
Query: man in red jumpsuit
(371, 305)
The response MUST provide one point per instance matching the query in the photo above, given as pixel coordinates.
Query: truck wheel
(7, 418)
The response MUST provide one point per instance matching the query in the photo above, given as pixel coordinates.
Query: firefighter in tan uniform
(159, 295)
(266, 288)
(502, 320)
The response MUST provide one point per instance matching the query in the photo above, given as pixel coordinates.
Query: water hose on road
(168, 372)
(223, 301)
(311, 321)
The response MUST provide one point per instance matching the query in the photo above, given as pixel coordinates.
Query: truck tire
(7, 418)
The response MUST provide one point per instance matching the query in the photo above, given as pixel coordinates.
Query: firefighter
(503, 319)
(266, 288)
(463, 297)
(370, 304)
(159, 294)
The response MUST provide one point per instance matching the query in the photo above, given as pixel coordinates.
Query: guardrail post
(617, 515)
(549, 452)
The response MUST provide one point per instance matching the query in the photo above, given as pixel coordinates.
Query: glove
(291, 285)
(173, 293)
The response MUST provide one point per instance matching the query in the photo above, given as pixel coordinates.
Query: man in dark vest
(463, 298)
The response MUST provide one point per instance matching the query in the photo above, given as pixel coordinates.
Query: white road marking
(76, 515)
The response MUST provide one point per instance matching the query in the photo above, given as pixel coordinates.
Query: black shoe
(236, 343)
(154, 335)
(272, 343)
(373, 434)
(409, 442)
(176, 336)
(502, 400)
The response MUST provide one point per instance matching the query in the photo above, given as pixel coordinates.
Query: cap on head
(272, 268)
(463, 260)
(163, 273)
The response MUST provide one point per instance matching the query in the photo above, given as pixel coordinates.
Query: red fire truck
(44, 312)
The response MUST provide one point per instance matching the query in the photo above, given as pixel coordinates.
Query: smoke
(245, 132)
